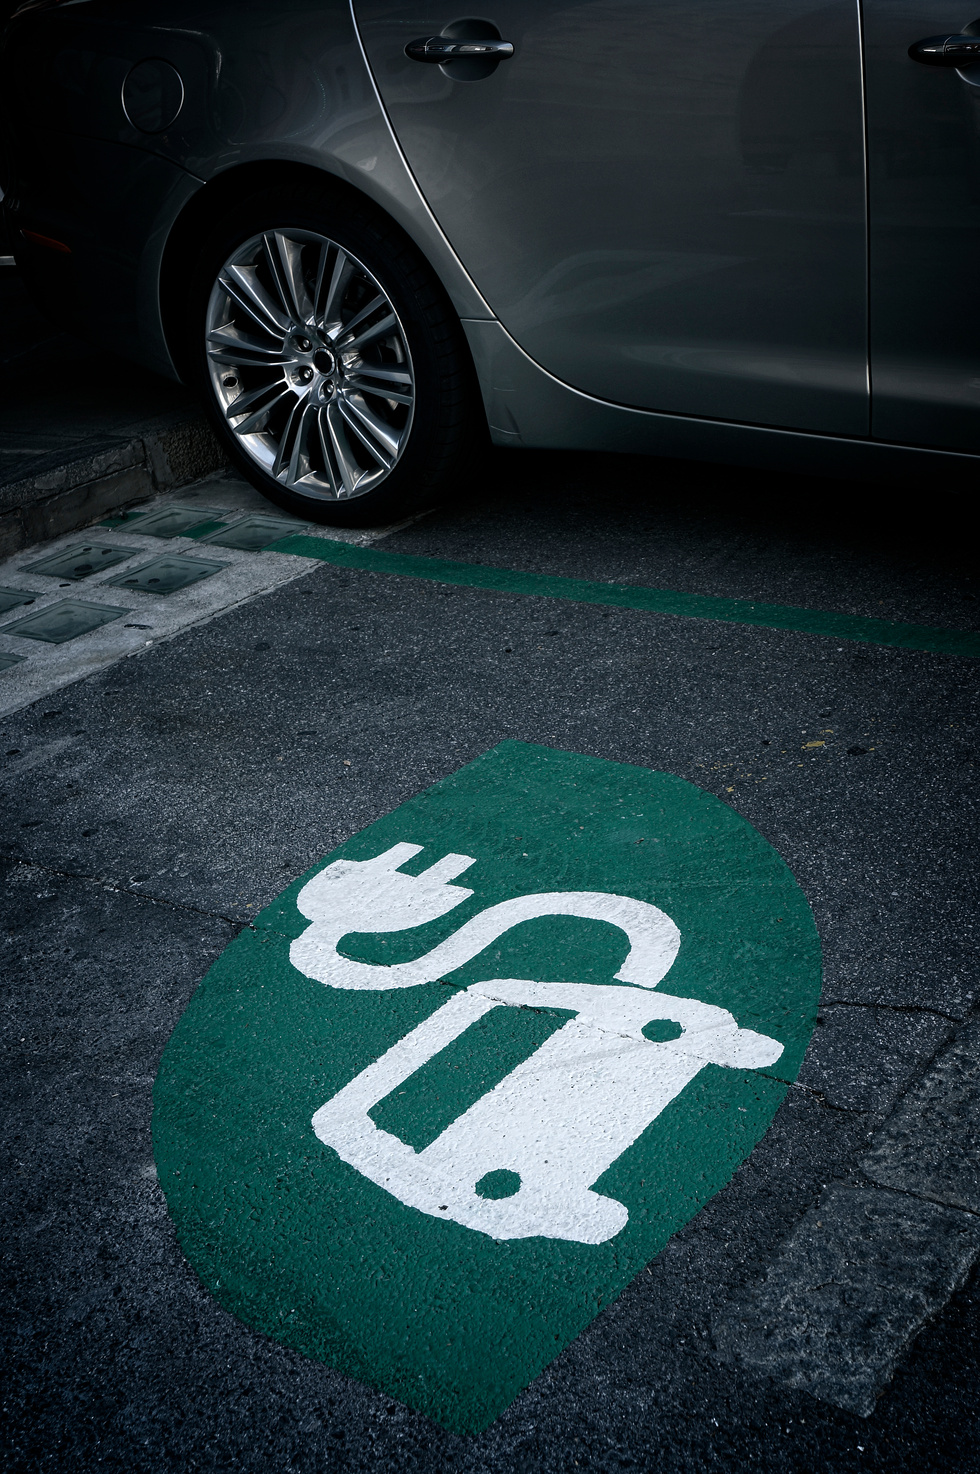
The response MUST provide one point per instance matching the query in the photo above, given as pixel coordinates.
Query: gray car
(371, 235)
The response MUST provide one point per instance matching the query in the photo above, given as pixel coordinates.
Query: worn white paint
(566, 1113)
(374, 896)
(559, 1120)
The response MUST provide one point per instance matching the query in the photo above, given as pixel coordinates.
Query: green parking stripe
(626, 596)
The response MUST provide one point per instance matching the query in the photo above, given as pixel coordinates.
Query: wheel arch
(205, 207)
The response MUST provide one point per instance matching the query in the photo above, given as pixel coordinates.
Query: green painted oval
(303, 1247)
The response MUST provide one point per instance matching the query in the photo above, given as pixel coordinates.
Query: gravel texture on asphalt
(154, 807)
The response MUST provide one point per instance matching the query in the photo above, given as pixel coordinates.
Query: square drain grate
(7, 660)
(80, 561)
(13, 598)
(254, 532)
(63, 621)
(166, 574)
(177, 521)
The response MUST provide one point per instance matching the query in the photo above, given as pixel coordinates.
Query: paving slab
(865, 1268)
(860, 1275)
(931, 1144)
(62, 595)
(860, 1058)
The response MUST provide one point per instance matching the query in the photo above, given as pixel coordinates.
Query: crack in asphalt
(895, 1008)
(921, 1197)
(248, 924)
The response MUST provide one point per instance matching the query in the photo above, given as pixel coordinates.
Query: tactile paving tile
(166, 574)
(176, 521)
(254, 532)
(81, 560)
(14, 598)
(7, 660)
(63, 621)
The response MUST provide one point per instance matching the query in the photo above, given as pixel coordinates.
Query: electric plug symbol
(374, 896)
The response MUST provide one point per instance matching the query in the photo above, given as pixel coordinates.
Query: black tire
(445, 427)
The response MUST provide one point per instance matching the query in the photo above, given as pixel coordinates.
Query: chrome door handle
(946, 51)
(440, 49)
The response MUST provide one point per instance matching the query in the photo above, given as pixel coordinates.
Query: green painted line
(626, 596)
(455, 1087)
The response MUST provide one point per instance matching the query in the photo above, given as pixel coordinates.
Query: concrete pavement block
(70, 489)
(931, 1143)
(856, 1280)
(862, 1058)
(180, 449)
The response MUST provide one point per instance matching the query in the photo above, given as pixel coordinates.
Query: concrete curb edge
(169, 452)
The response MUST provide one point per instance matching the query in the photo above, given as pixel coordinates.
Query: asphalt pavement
(220, 1295)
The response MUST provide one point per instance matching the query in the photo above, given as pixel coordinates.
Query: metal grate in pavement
(175, 521)
(166, 574)
(14, 598)
(63, 621)
(254, 532)
(81, 560)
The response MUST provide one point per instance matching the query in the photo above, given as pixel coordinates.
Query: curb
(875, 1258)
(171, 451)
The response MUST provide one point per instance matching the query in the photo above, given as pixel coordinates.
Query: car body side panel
(75, 164)
(115, 206)
(284, 84)
(663, 202)
(924, 158)
(528, 407)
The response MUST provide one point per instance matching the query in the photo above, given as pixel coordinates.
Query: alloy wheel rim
(310, 364)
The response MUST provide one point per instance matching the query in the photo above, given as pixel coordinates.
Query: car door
(663, 202)
(924, 167)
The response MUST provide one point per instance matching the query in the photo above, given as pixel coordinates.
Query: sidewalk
(83, 433)
(180, 559)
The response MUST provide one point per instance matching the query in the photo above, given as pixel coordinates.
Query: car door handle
(946, 51)
(442, 49)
